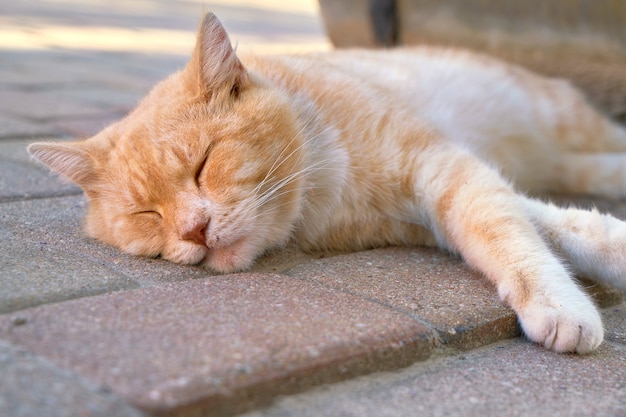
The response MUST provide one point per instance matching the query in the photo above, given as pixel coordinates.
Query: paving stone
(614, 319)
(283, 259)
(19, 181)
(138, 73)
(32, 272)
(19, 178)
(36, 105)
(118, 100)
(31, 386)
(14, 150)
(82, 94)
(424, 283)
(433, 287)
(85, 127)
(62, 69)
(15, 127)
(25, 70)
(511, 378)
(221, 344)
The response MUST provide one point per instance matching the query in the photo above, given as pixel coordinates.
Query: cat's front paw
(563, 326)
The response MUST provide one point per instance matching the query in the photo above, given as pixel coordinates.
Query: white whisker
(293, 177)
(282, 159)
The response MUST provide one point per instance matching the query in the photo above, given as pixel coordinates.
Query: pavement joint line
(416, 317)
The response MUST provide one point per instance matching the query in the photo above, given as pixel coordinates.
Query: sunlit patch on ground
(261, 29)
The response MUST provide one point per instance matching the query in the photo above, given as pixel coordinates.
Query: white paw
(572, 325)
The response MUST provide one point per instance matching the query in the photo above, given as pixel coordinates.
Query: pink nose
(196, 233)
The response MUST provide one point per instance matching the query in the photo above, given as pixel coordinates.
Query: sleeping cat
(350, 150)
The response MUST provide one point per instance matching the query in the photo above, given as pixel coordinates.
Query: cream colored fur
(351, 150)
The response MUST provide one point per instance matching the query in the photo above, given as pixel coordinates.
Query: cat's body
(360, 149)
(385, 108)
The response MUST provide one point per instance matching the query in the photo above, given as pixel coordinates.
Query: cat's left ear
(214, 68)
(68, 159)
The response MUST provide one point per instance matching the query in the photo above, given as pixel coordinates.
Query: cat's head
(204, 170)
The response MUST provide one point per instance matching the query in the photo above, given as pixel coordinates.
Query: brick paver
(20, 179)
(87, 330)
(220, 342)
(511, 378)
(425, 284)
(31, 386)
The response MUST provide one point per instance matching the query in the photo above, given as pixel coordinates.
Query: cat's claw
(573, 327)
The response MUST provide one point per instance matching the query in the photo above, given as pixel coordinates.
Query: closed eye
(202, 165)
(152, 213)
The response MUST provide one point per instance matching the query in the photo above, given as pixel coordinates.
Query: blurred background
(581, 40)
(157, 26)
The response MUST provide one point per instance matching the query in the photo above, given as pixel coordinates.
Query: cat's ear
(69, 159)
(214, 67)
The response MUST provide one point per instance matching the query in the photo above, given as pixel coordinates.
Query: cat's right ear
(214, 68)
(68, 159)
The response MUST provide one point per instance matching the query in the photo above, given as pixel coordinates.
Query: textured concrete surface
(508, 378)
(20, 179)
(615, 323)
(33, 274)
(426, 284)
(511, 378)
(31, 386)
(218, 342)
(88, 331)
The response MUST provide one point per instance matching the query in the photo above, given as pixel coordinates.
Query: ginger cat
(351, 150)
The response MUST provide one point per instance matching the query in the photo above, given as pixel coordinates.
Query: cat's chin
(232, 258)
(237, 256)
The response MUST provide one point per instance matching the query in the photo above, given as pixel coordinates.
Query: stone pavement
(88, 331)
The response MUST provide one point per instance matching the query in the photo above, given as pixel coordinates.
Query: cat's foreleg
(475, 212)
(594, 244)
